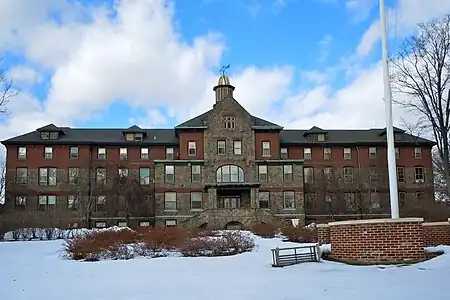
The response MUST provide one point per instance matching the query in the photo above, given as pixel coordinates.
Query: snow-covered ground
(34, 270)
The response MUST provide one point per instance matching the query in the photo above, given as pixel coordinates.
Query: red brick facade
(323, 233)
(436, 233)
(377, 241)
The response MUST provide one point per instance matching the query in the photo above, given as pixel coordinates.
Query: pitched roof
(134, 129)
(49, 128)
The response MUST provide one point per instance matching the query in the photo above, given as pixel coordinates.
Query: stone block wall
(377, 240)
(436, 233)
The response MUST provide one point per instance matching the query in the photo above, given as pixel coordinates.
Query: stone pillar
(254, 197)
(212, 198)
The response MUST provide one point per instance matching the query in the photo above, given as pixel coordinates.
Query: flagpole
(392, 168)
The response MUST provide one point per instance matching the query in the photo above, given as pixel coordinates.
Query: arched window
(230, 173)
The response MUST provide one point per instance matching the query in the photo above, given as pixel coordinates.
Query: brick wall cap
(377, 221)
(322, 225)
(436, 223)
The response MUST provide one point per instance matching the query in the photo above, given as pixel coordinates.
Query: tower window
(229, 122)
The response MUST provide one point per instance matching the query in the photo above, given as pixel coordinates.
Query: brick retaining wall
(436, 233)
(377, 240)
(323, 234)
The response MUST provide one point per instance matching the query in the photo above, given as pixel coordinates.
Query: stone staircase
(220, 217)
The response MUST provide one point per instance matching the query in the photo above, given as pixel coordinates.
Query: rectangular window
(72, 203)
(46, 203)
(417, 153)
(321, 137)
(237, 147)
(138, 137)
(348, 175)
(100, 224)
(171, 223)
(129, 137)
(262, 173)
(122, 224)
(284, 153)
(221, 147)
(229, 122)
(264, 200)
(100, 203)
(144, 153)
(372, 152)
(144, 175)
(419, 176)
(169, 153)
(307, 154)
(170, 201)
(326, 153)
(123, 173)
(289, 200)
(196, 173)
(48, 153)
(265, 148)
(20, 203)
(73, 152)
(101, 153)
(347, 153)
(402, 198)
(196, 200)
(287, 173)
(47, 176)
(74, 176)
(45, 135)
(22, 176)
(123, 153)
(100, 175)
(397, 153)
(401, 174)
(144, 224)
(350, 203)
(375, 200)
(308, 174)
(310, 200)
(328, 174)
(169, 173)
(192, 148)
(374, 175)
(22, 153)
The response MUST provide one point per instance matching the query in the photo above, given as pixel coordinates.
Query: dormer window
(134, 134)
(321, 137)
(138, 137)
(50, 132)
(229, 122)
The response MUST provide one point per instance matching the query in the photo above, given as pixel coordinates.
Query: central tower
(223, 88)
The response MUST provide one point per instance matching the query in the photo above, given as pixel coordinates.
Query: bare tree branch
(7, 91)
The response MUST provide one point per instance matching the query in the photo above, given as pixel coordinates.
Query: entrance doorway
(230, 202)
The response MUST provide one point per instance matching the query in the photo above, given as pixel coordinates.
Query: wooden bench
(294, 255)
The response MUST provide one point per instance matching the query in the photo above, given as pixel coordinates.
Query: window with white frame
(72, 203)
(347, 153)
(221, 147)
(320, 137)
(192, 148)
(237, 147)
(48, 153)
(328, 173)
(196, 173)
(123, 153)
(100, 175)
(229, 122)
(348, 175)
(21, 176)
(288, 173)
(22, 153)
(144, 175)
(169, 173)
(289, 199)
(47, 176)
(144, 153)
(169, 153)
(401, 174)
(284, 153)
(122, 224)
(74, 175)
(419, 176)
(73, 152)
(262, 173)
(308, 174)
(230, 173)
(266, 148)
(307, 154)
(264, 199)
(417, 153)
(374, 176)
(123, 173)
(326, 153)
(100, 224)
(170, 201)
(144, 224)
(100, 204)
(46, 203)
(350, 203)
(101, 153)
(372, 152)
(20, 203)
(196, 200)
(171, 223)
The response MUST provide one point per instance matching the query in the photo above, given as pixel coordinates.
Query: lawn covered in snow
(34, 270)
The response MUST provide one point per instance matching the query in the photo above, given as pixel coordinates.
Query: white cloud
(360, 9)
(24, 75)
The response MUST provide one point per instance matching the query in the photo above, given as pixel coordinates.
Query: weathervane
(223, 69)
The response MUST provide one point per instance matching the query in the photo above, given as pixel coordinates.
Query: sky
(153, 63)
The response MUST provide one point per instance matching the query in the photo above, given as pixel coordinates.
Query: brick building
(222, 168)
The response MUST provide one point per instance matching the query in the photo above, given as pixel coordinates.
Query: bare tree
(421, 75)
(2, 182)
(6, 90)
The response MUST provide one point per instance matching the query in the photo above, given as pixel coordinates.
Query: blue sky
(153, 63)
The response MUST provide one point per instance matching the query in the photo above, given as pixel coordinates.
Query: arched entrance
(234, 225)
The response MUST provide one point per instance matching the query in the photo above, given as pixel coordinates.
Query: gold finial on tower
(223, 89)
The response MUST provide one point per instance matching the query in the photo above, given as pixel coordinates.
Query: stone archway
(234, 225)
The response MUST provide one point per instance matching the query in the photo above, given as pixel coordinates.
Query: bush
(265, 230)
(300, 235)
(126, 243)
